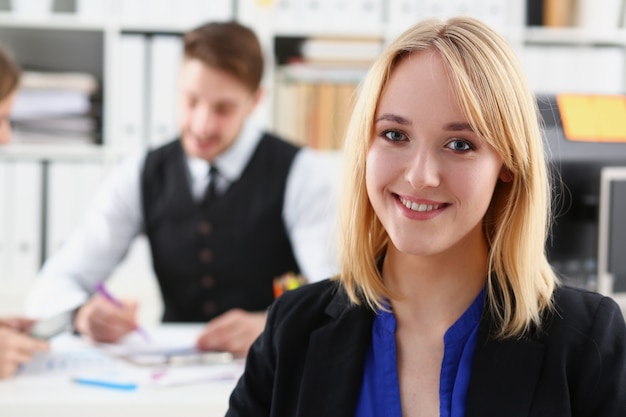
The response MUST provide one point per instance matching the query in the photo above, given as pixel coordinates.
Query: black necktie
(211, 189)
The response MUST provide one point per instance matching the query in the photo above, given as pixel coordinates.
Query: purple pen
(100, 289)
(106, 294)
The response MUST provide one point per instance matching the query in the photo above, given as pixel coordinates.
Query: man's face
(212, 108)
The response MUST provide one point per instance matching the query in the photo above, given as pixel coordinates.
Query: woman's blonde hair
(500, 107)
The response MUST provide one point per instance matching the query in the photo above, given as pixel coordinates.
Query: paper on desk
(68, 354)
(186, 375)
(72, 358)
(164, 339)
(136, 377)
(166, 345)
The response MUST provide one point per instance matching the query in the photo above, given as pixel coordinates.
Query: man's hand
(233, 331)
(16, 347)
(105, 322)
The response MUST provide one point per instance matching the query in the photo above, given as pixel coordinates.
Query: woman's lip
(421, 205)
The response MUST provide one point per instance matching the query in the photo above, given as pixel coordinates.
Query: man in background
(227, 208)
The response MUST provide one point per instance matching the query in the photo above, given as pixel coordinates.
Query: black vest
(212, 259)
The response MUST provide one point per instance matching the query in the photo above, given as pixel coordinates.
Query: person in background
(445, 304)
(16, 346)
(227, 208)
(9, 83)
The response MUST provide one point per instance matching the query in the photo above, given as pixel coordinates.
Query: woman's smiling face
(430, 177)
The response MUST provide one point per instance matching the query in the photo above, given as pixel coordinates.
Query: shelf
(319, 74)
(66, 22)
(154, 27)
(53, 152)
(574, 36)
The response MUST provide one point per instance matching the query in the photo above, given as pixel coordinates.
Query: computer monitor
(612, 234)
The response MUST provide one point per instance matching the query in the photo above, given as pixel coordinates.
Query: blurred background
(100, 79)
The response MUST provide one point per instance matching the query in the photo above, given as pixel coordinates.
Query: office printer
(572, 246)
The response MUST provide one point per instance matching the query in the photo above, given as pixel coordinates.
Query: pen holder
(286, 282)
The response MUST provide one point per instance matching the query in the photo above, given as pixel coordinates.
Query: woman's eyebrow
(458, 126)
(452, 126)
(393, 118)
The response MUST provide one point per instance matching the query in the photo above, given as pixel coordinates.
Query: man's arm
(310, 211)
(95, 248)
(233, 331)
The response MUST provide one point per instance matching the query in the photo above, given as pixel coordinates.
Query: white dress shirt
(114, 219)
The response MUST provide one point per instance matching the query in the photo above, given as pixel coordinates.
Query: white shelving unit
(575, 60)
(45, 189)
(126, 42)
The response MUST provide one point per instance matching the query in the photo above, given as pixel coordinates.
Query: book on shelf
(599, 15)
(67, 80)
(32, 103)
(314, 114)
(329, 51)
(58, 128)
(341, 51)
(558, 13)
(594, 15)
(322, 117)
(344, 100)
(534, 13)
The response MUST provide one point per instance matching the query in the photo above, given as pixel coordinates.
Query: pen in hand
(101, 289)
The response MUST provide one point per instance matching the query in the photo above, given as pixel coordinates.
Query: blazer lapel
(333, 370)
(504, 376)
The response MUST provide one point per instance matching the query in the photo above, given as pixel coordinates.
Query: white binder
(72, 186)
(130, 84)
(24, 210)
(165, 60)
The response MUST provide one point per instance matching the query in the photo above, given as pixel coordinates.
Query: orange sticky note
(593, 118)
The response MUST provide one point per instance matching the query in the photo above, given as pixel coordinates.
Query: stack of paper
(57, 106)
(168, 358)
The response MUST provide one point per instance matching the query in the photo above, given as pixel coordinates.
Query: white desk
(54, 393)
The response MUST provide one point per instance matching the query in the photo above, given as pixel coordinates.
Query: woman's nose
(423, 169)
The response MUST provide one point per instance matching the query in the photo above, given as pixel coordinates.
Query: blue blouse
(380, 390)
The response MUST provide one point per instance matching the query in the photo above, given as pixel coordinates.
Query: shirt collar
(233, 160)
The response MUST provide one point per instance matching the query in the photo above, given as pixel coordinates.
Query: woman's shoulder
(582, 302)
(310, 305)
(581, 312)
(312, 296)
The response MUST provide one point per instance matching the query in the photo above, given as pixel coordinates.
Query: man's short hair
(230, 47)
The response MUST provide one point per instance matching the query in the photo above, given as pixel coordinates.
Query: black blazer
(309, 361)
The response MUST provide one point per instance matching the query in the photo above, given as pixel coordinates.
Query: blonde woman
(445, 304)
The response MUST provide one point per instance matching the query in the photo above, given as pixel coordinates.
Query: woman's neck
(433, 292)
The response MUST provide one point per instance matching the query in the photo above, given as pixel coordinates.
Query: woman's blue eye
(459, 145)
(394, 135)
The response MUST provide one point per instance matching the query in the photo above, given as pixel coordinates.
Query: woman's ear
(505, 174)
